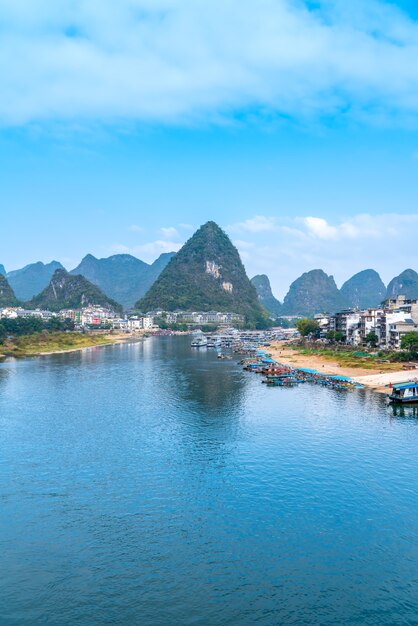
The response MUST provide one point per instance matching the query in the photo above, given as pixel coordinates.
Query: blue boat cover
(408, 385)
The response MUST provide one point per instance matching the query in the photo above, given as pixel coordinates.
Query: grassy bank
(46, 343)
(348, 358)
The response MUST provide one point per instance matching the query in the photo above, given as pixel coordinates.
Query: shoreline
(111, 340)
(375, 379)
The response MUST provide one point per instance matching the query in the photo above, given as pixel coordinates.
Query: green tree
(409, 342)
(331, 336)
(372, 339)
(307, 326)
(339, 336)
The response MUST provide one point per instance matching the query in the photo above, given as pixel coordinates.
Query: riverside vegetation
(31, 336)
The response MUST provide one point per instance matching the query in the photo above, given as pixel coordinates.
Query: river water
(151, 484)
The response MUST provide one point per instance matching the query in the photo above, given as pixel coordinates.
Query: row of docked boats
(278, 375)
(254, 358)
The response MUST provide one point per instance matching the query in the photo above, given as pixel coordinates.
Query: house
(398, 330)
(347, 322)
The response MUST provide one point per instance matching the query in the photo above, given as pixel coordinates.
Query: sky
(291, 123)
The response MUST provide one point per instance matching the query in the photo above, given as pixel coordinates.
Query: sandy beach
(374, 378)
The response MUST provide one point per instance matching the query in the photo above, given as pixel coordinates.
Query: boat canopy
(407, 385)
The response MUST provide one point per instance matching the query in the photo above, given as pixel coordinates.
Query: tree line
(29, 325)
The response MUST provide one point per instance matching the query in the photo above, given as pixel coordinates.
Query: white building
(398, 330)
(140, 322)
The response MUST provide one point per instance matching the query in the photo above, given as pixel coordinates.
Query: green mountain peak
(7, 296)
(66, 291)
(206, 274)
(265, 295)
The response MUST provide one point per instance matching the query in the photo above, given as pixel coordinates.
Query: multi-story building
(347, 322)
(140, 322)
(398, 330)
(397, 317)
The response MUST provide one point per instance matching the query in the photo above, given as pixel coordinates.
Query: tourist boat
(199, 342)
(404, 393)
(214, 342)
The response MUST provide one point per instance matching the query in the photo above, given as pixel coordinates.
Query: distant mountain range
(200, 277)
(31, 279)
(316, 292)
(122, 277)
(206, 274)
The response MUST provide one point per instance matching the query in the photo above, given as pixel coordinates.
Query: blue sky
(292, 124)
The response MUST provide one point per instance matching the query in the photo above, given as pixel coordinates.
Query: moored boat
(404, 393)
(199, 342)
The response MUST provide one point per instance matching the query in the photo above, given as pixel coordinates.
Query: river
(151, 484)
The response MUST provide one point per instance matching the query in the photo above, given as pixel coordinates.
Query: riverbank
(376, 376)
(45, 344)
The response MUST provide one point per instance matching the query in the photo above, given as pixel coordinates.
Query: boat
(214, 342)
(199, 342)
(404, 393)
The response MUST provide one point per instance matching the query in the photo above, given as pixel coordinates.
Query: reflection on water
(404, 410)
(152, 484)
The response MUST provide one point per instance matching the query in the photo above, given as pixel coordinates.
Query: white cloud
(319, 227)
(358, 227)
(243, 245)
(148, 251)
(136, 229)
(169, 232)
(171, 61)
(257, 224)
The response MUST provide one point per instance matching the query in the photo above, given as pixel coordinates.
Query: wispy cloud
(171, 61)
(169, 232)
(257, 224)
(147, 251)
(134, 228)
